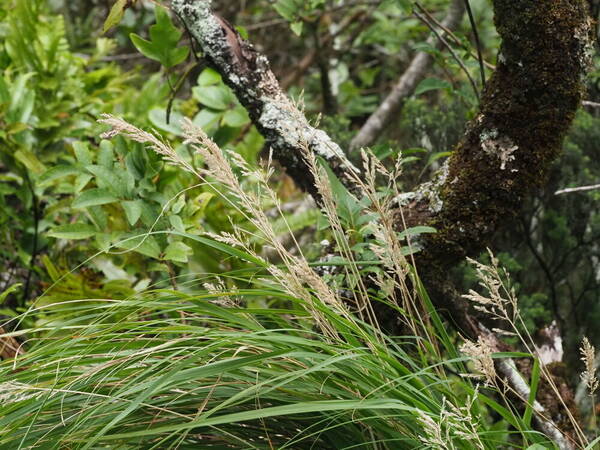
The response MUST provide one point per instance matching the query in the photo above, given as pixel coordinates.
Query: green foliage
(116, 14)
(276, 382)
(104, 247)
(164, 37)
(64, 191)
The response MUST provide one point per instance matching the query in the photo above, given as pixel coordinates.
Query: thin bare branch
(406, 84)
(451, 50)
(578, 189)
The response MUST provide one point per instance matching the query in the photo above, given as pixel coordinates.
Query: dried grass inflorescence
(588, 356)
(298, 278)
(454, 423)
(481, 354)
(500, 301)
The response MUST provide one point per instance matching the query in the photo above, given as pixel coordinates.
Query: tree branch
(406, 85)
(247, 73)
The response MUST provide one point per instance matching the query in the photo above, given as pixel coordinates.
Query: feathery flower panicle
(121, 127)
(588, 356)
(481, 354)
(454, 422)
(500, 302)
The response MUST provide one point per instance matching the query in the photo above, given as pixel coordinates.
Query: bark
(526, 110)
(247, 73)
(406, 85)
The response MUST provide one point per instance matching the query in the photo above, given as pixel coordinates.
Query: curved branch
(526, 110)
(247, 73)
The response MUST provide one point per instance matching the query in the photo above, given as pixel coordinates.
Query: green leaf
(431, 84)
(59, 171)
(106, 155)
(215, 97)
(133, 210)
(22, 100)
(107, 178)
(535, 381)
(144, 244)
(162, 46)
(158, 117)
(30, 161)
(206, 118)
(10, 290)
(4, 91)
(82, 153)
(288, 9)
(116, 14)
(415, 231)
(94, 197)
(209, 77)
(72, 231)
(236, 117)
(177, 223)
(178, 205)
(297, 27)
(178, 251)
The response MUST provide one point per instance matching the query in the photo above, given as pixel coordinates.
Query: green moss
(526, 110)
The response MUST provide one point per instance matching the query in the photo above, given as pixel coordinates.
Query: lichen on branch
(247, 72)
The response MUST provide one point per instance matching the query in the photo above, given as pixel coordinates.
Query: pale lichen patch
(492, 143)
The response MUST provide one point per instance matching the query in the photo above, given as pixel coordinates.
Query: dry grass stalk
(454, 423)
(299, 279)
(588, 376)
(500, 302)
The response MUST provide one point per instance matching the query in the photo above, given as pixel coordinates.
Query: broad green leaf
(59, 171)
(236, 117)
(177, 223)
(29, 160)
(178, 205)
(82, 153)
(72, 231)
(288, 9)
(209, 77)
(215, 97)
(158, 117)
(106, 154)
(116, 14)
(297, 27)
(133, 210)
(81, 182)
(141, 243)
(108, 179)
(431, 84)
(94, 197)
(206, 118)
(162, 46)
(178, 251)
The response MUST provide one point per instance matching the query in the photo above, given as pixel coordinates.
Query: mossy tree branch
(525, 112)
